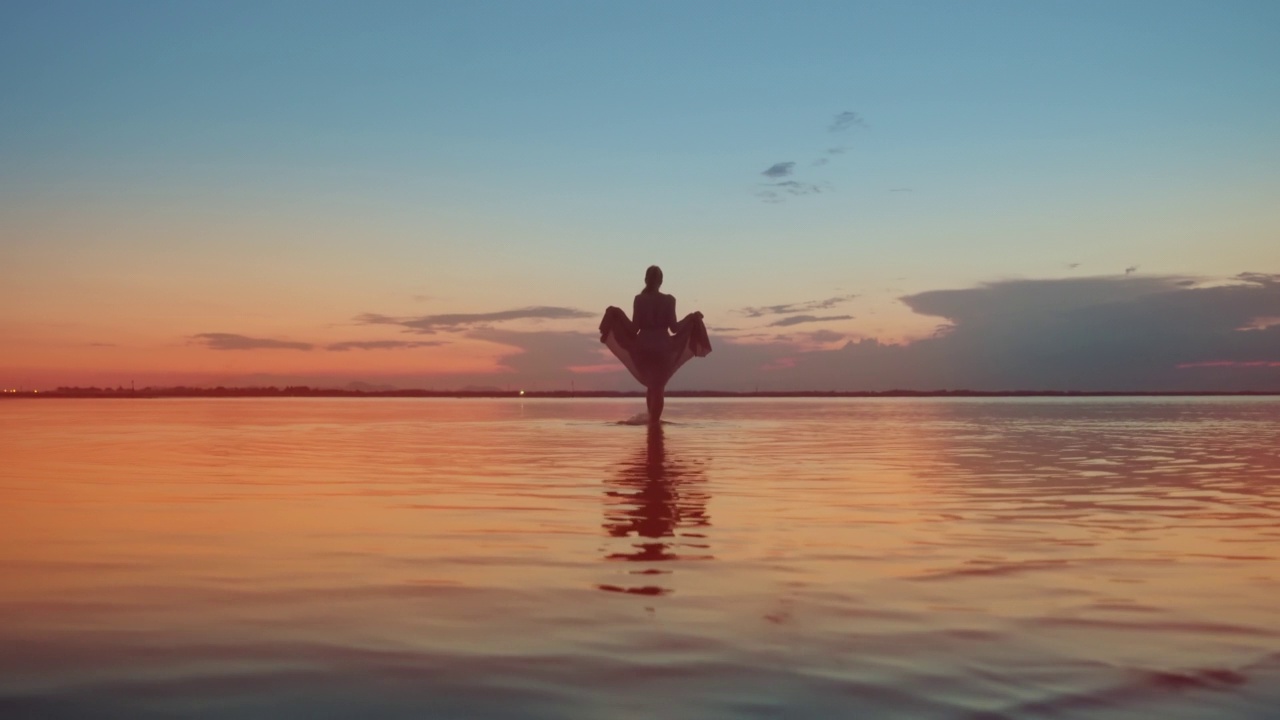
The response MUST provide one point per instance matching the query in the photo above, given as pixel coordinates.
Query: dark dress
(643, 343)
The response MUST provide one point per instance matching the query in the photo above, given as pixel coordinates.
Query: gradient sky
(442, 195)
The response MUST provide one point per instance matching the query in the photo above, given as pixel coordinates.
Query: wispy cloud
(800, 319)
(796, 307)
(845, 120)
(778, 170)
(827, 156)
(382, 344)
(429, 324)
(1269, 280)
(778, 192)
(232, 341)
(795, 187)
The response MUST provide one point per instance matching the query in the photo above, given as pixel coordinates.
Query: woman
(652, 344)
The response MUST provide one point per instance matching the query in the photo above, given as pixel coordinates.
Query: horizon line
(181, 391)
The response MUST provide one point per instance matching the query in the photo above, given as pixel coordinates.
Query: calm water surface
(406, 558)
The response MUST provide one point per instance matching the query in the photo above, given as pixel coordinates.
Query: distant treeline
(306, 391)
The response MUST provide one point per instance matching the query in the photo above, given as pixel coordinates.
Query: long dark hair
(652, 278)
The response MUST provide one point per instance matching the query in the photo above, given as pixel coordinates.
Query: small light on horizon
(522, 392)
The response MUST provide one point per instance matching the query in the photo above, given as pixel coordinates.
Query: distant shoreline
(304, 392)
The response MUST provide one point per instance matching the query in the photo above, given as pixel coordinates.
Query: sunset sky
(857, 195)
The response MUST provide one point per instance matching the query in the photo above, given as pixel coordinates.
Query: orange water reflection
(408, 558)
(658, 504)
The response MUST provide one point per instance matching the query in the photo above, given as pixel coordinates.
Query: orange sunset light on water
(374, 540)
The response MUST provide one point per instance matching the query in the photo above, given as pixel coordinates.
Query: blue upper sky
(544, 152)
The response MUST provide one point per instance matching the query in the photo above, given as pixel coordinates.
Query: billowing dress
(643, 343)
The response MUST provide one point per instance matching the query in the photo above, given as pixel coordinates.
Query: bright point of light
(521, 392)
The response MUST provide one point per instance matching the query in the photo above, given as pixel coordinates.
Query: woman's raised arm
(671, 323)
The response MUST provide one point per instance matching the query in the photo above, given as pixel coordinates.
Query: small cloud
(820, 162)
(795, 187)
(101, 344)
(1131, 270)
(778, 170)
(777, 192)
(429, 324)
(901, 189)
(376, 319)
(846, 120)
(1257, 278)
(788, 308)
(382, 344)
(1072, 266)
(232, 341)
(836, 150)
(799, 319)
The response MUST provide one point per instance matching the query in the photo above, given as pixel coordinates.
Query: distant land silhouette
(307, 391)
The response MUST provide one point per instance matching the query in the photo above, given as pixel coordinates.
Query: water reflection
(420, 558)
(1120, 466)
(659, 505)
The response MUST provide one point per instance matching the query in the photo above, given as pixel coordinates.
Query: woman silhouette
(643, 343)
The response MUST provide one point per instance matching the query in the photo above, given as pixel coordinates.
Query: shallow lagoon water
(914, 558)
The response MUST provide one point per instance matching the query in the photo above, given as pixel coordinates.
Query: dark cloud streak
(787, 308)
(382, 345)
(430, 324)
(800, 319)
(232, 341)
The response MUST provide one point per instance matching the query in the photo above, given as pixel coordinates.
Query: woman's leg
(654, 400)
(656, 376)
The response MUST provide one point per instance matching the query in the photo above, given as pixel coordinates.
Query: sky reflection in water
(401, 558)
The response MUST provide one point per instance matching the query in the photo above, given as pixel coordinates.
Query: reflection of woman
(652, 501)
(643, 344)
